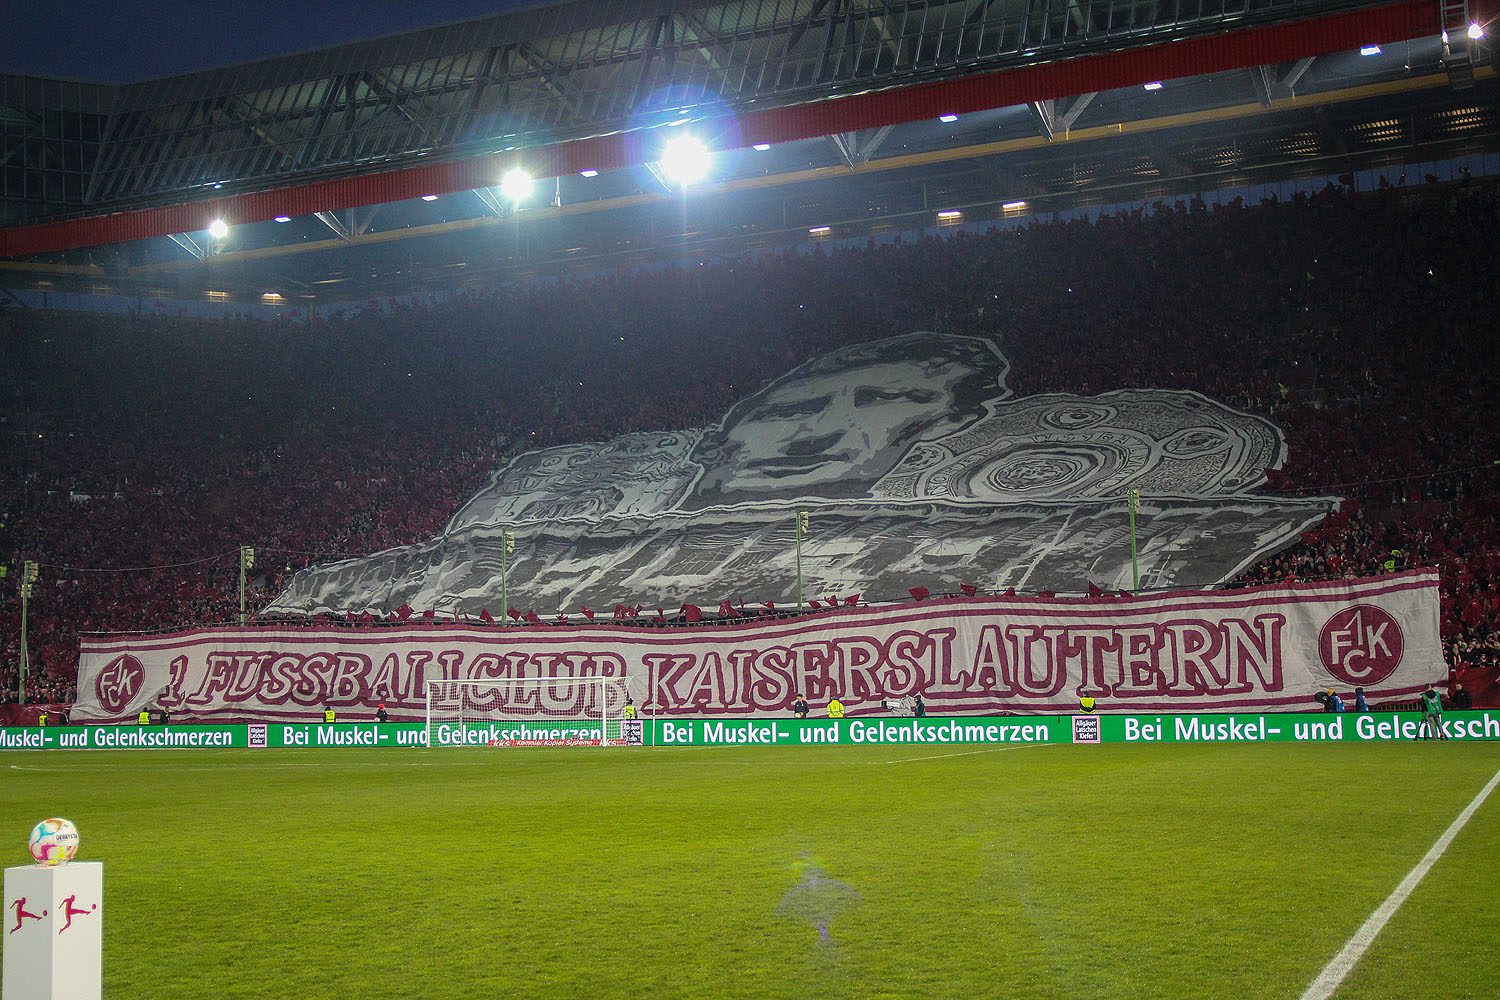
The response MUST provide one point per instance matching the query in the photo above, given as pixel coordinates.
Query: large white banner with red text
(1264, 648)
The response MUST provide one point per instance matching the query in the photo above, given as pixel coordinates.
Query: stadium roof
(345, 141)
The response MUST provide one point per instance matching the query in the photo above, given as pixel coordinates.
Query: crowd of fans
(140, 452)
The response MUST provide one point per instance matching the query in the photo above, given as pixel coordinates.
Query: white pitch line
(1334, 972)
(968, 753)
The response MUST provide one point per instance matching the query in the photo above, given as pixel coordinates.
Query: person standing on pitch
(1432, 713)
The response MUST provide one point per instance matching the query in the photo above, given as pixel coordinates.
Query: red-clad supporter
(1363, 324)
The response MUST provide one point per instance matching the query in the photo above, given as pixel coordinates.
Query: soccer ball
(54, 841)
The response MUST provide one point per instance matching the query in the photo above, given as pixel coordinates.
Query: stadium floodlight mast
(29, 573)
(801, 530)
(685, 160)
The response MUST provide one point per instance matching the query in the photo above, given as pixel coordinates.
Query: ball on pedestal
(53, 841)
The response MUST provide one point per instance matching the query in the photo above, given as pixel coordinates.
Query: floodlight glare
(283, 218)
(948, 119)
(1370, 50)
(588, 173)
(1476, 30)
(1154, 86)
(1013, 205)
(218, 229)
(429, 197)
(515, 185)
(761, 147)
(685, 160)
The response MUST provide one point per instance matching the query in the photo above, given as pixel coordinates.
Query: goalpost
(532, 711)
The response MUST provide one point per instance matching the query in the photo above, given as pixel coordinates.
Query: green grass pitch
(1195, 871)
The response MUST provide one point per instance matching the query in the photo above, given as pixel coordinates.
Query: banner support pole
(801, 527)
(29, 572)
(507, 545)
(247, 561)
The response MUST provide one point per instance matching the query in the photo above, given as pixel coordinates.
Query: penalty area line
(968, 753)
(1334, 972)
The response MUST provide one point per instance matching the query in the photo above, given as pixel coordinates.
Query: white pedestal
(54, 932)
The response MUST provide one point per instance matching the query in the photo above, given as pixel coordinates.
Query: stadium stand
(142, 451)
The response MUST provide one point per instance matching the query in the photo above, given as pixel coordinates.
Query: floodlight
(685, 160)
(1370, 50)
(588, 173)
(1154, 86)
(218, 229)
(820, 230)
(951, 213)
(429, 197)
(1009, 205)
(283, 218)
(948, 119)
(761, 147)
(1476, 30)
(515, 185)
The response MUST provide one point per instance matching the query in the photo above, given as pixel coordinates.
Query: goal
(533, 711)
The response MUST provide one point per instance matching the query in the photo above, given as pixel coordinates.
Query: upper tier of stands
(1365, 323)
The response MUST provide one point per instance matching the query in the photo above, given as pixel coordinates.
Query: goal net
(547, 711)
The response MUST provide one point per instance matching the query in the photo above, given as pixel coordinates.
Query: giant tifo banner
(1263, 648)
(917, 467)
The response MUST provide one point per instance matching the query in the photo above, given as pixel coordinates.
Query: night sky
(116, 43)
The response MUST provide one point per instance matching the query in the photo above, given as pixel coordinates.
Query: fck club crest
(119, 682)
(1361, 645)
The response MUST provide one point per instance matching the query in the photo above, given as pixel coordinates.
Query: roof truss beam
(332, 221)
(189, 244)
(855, 148)
(1295, 74)
(1262, 81)
(1054, 122)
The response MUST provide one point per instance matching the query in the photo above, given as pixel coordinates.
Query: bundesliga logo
(1361, 645)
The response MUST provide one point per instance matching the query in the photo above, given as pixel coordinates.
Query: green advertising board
(1378, 727)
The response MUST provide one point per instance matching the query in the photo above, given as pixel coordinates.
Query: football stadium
(754, 498)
